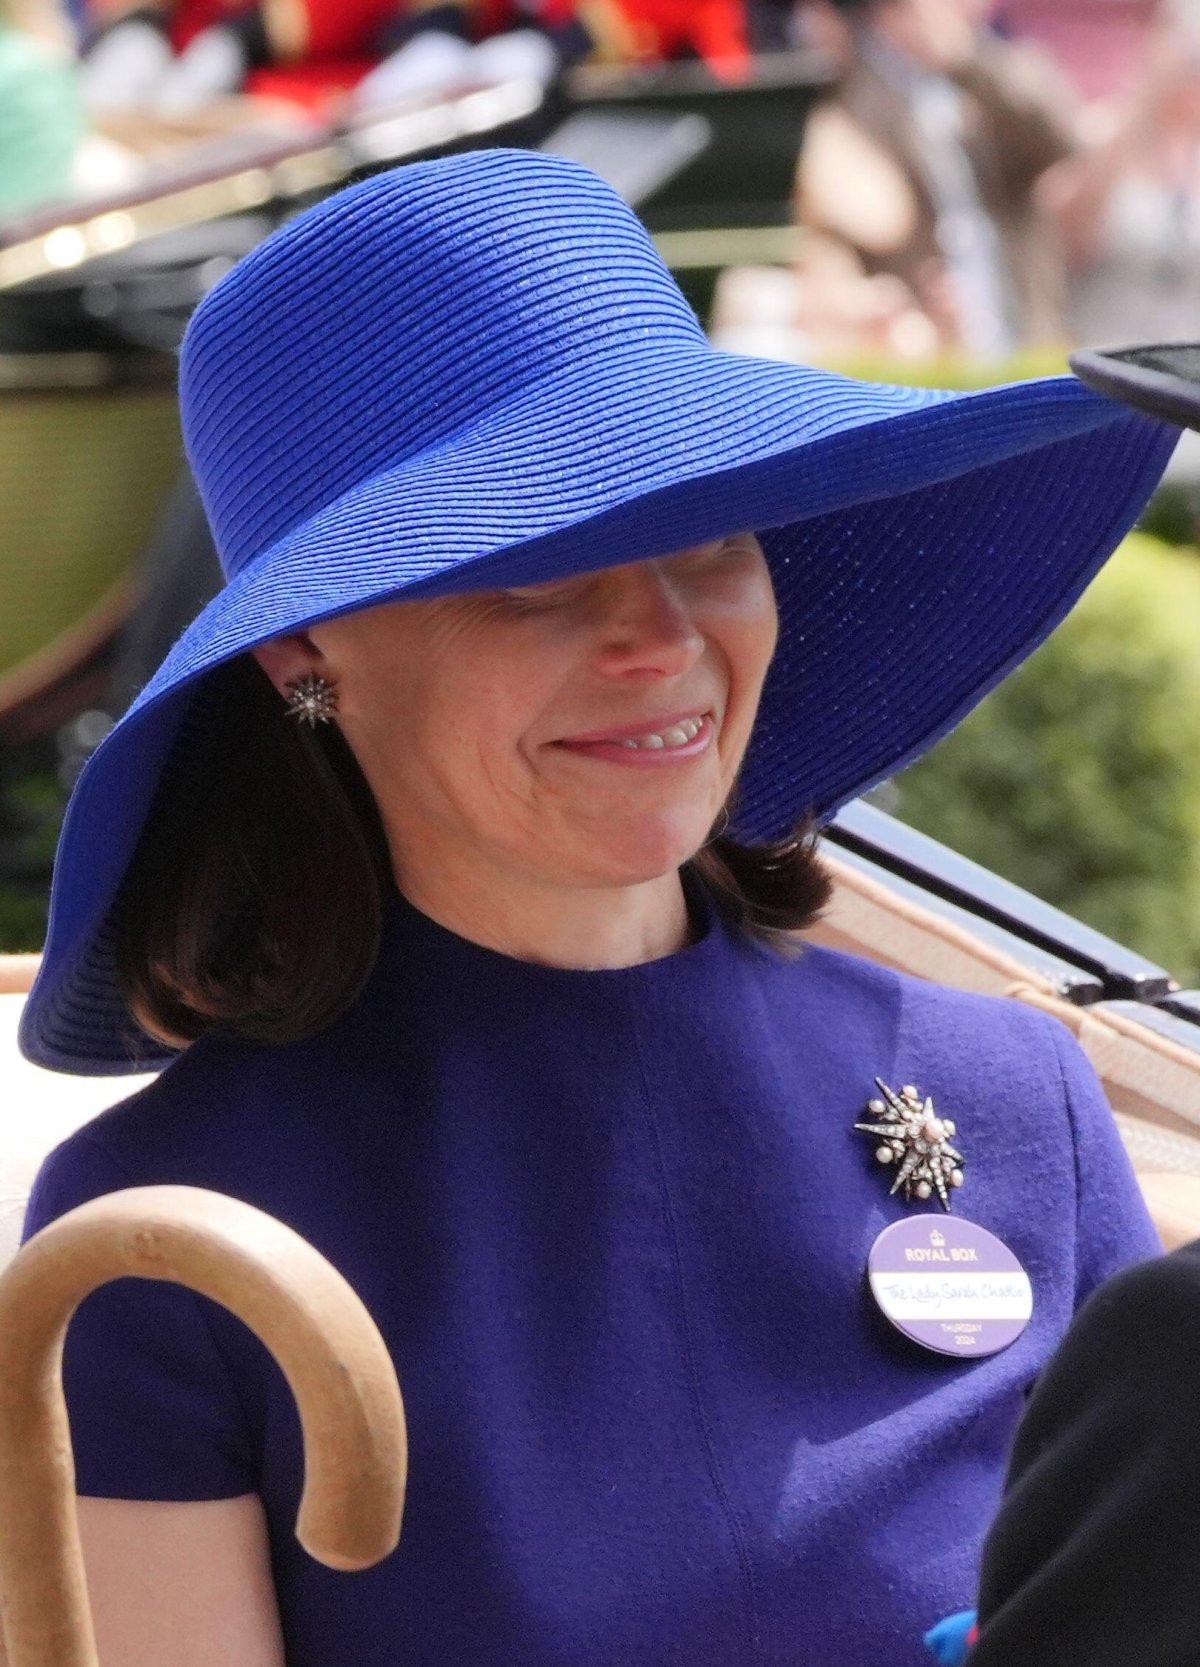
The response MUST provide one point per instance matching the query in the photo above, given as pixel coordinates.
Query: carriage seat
(38, 1108)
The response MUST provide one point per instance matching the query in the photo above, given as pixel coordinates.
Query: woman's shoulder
(215, 1114)
(964, 1017)
(1043, 1146)
(982, 1049)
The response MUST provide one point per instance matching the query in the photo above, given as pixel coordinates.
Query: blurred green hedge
(30, 816)
(1079, 778)
(952, 370)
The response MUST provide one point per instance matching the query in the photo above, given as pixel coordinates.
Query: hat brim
(1160, 378)
(921, 544)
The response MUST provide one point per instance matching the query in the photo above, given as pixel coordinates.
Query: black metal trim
(1072, 982)
(1131, 375)
(914, 856)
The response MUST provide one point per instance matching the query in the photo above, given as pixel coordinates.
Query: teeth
(677, 736)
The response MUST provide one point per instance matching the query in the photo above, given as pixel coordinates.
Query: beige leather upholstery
(17, 973)
(38, 1109)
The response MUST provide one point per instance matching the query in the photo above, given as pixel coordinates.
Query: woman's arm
(180, 1585)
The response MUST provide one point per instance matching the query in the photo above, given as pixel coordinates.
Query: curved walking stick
(355, 1449)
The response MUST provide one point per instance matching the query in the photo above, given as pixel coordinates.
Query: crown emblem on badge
(916, 1142)
(936, 1238)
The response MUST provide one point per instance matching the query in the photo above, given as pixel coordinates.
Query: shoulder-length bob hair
(255, 899)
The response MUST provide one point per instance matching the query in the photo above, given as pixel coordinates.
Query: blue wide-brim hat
(477, 372)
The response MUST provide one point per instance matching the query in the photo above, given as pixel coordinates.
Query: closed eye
(720, 550)
(531, 598)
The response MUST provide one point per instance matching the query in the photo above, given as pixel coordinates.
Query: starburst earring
(312, 699)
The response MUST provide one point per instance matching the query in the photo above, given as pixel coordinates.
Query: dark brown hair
(255, 898)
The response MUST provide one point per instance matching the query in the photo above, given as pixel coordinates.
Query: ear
(284, 659)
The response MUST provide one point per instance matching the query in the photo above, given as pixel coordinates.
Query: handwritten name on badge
(979, 1304)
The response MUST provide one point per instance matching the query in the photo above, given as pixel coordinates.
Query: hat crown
(397, 313)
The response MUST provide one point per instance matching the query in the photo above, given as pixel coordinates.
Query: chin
(648, 853)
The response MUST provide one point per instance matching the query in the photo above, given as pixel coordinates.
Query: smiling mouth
(675, 735)
(680, 734)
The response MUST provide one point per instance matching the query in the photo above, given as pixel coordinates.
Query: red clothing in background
(637, 30)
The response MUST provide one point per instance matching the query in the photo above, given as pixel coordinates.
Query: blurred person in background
(41, 118)
(1098, 43)
(946, 132)
(1129, 204)
(174, 57)
(429, 49)
(823, 309)
(539, 39)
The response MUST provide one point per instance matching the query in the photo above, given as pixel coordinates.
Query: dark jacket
(1093, 1560)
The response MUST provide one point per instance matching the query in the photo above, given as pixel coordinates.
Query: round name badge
(949, 1285)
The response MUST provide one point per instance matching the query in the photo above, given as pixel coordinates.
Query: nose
(648, 629)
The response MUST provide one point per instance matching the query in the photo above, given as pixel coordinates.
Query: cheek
(766, 627)
(747, 629)
(469, 735)
(745, 635)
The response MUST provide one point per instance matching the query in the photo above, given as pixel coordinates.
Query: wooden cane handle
(355, 1446)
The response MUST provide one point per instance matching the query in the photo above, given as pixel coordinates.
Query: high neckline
(414, 940)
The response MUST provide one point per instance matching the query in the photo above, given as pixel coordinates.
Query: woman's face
(584, 732)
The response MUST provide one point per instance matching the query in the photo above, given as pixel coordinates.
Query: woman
(488, 985)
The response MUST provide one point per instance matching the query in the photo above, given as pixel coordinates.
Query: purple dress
(613, 1226)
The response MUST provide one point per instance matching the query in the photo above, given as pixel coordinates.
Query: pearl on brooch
(915, 1141)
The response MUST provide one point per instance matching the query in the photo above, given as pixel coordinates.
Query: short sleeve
(154, 1411)
(1113, 1225)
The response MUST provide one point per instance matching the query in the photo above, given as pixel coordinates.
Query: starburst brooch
(312, 700)
(917, 1141)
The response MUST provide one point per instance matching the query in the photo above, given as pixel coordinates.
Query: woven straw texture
(477, 372)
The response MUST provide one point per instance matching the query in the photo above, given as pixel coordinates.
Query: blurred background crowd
(949, 192)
